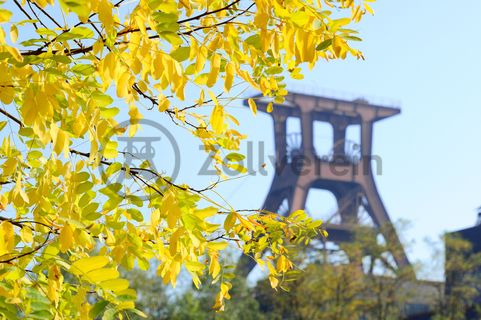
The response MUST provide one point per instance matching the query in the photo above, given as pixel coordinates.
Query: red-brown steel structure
(349, 177)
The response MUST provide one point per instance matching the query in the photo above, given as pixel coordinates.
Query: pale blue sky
(426, 55)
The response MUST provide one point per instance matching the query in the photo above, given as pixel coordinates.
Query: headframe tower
(346, 171)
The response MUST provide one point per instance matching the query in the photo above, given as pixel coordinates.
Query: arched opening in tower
(322, 204)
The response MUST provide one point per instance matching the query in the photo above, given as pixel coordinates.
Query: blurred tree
(152, 297)
(196, 304)
(461, 297)
(360, 284)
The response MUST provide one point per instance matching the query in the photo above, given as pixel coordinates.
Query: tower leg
(378, 212)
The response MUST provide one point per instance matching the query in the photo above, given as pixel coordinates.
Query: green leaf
(83, 69)
(101, 100)
(60, 58)
(352, 38)
(190, 221)
(109, 112)
(254, 41)
(113, 168)
(46, 32)
(33, 155)
(136, 214)
(139, 313)
(91, 209)
(25, 132)
(111, 189)
(76, 33)
(109, 314)
(181, 53)
(98, 308)
(165, 18)
(274, 70)
(82, 176)
(84, 187)
(92, 215)
(324, 45)
(172, 37)
(135, 200)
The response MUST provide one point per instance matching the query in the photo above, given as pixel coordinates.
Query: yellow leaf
(55, 280)
(115, 285)
(155, 218)
(214, 70)
(9, 166)
(173, 242)
(274, 281)
(135, 117)
(269, 107)
(194, 266)
(196, 280)
(26, 235)
(171, 210)
(282, 265)
(229, 76)
(5, 15)
(60, 140)
(217, 246)
(201, 58)
(217, 119)
(105, 13)
(244, 222)
(80, 126)
(110, 150)
(230, 221)
(214, 267)
(201, 98)
(3, 202)
(103, 274)
(15, 53)
(164, 103)
(66, 238)
(85, 265)
(206, 212)
(13, 33)
(123, 84)
(7, 240)
(252, 105)
(368, 8)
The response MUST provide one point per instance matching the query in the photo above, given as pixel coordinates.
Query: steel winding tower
(348, 176)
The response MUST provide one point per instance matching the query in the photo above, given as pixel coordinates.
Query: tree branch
(47, 238)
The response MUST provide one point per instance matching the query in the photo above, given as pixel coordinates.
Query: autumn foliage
(69, 70)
